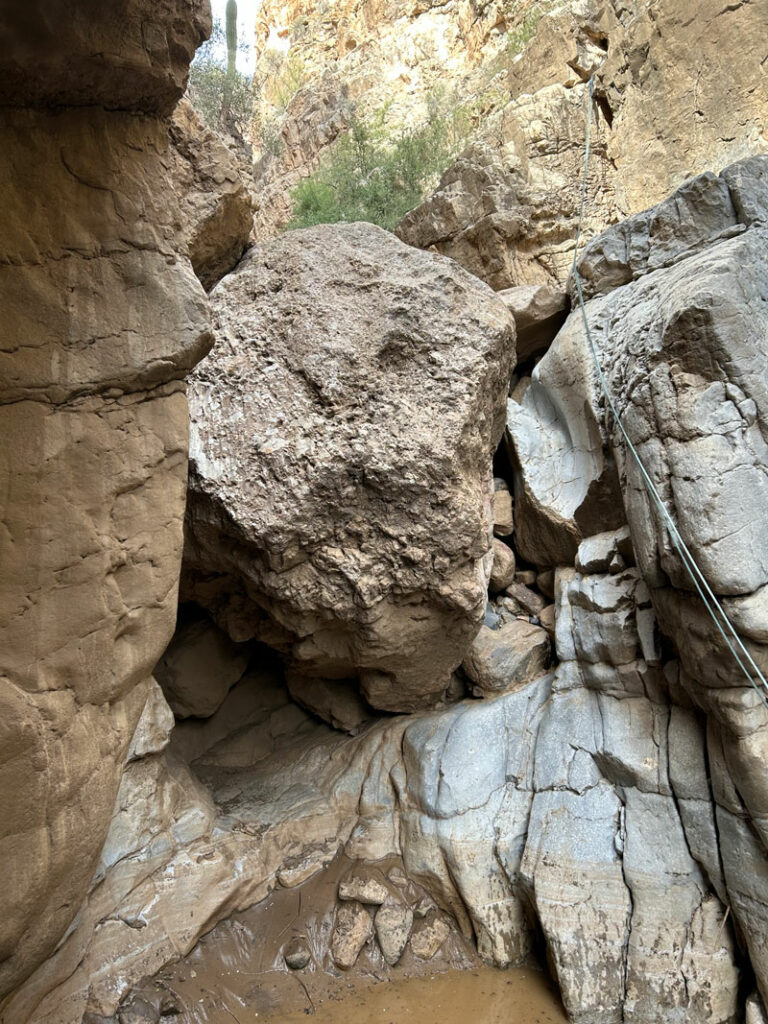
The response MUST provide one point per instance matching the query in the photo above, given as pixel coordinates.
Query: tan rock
(392, 589)
(503, 569)
(547, 619)
(507, 210)
(366, 885)
(102, 318)
(503, 512)
(545, 582)
(507, 658)
(199, 668)
(527, 599)
(393, 922)
(352, 929)
(428, 935)
(336, 701)
(316, 65)
(539, 312)
(214, 198)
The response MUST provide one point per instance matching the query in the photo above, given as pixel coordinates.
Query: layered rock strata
(103, 316)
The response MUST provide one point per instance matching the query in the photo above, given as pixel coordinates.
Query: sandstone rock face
(215, 201)
(103, 316)
(341, 458)
(507, 209)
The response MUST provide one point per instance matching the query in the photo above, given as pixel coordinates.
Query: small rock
(603, 552)
(507, 658)
(296, 953)
(393, 923)
(503, 571)
(398, 877)
(138, 1011)
(547, 619)
(530, 602)
(491, 619)
(539, 311)
(336, 701)
(424, 906)
(428, 936)
(352, 929)
(545, 581)
(503, 513)
(527, 577)
(366, 885)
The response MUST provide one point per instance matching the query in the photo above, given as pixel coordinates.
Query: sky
(246, 25)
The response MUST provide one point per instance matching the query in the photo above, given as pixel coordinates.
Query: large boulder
(342, 434)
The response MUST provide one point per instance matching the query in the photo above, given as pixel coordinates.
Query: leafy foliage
(373, 176)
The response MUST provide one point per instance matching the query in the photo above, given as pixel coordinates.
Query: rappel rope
(717, 612)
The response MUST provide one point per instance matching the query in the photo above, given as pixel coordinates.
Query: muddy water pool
(481, 996)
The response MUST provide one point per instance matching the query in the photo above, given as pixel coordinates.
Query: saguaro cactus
(231, 36)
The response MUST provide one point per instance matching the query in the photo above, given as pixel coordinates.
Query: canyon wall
(581, 768)
(670, 101)
(103, 316)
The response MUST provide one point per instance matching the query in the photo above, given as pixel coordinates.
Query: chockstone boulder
(340, 475)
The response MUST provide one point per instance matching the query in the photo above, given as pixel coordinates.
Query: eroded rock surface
(341, 484)
(214, 198)
(103, 317)
(678, 318)
(507, 209)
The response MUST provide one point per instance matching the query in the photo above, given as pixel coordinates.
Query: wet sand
(481, 996)
(237, 974)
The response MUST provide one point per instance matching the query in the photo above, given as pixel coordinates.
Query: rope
(716, 611)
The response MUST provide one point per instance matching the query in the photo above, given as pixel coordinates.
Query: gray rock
(604, 552)
(297, 953)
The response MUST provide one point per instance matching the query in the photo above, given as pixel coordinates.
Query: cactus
(226, 105)
(231, 36)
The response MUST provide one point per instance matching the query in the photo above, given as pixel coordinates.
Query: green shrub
(373, 176)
